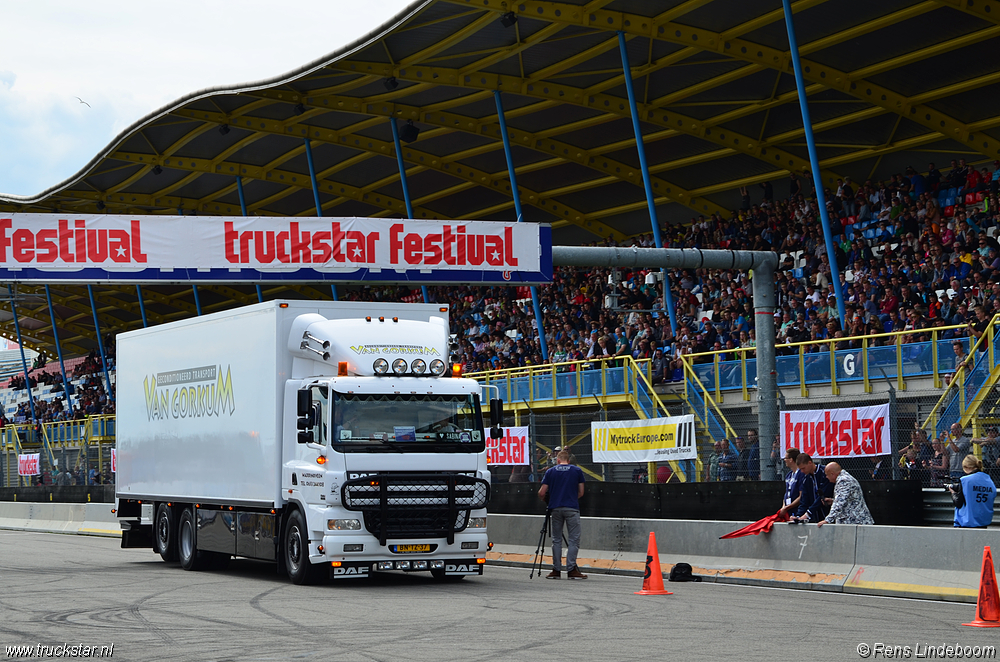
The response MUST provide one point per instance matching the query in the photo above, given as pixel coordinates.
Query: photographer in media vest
(973, 495)
(562, 487)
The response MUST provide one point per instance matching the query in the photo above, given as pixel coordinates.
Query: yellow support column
(934, 359)
(834, 389)
(651, 473)
(900, 384)
(718, 392)
(802, 372)
(864, 364)
(743, 372)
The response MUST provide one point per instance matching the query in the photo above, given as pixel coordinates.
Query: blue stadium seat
(950, 200)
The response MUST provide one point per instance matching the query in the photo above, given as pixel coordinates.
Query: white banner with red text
(114, 460)
(29, 464)
(511, 448)
(835, 433)
(57, 247)
(652, 440)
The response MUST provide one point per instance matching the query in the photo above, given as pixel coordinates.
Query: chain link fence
(908, 410)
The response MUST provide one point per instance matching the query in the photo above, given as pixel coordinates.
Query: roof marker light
(342, 369)
(456, 369)
(282, 305)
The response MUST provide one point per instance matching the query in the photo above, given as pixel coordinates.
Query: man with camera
(562, 487)
(959, 447)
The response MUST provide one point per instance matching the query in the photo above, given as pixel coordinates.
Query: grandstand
(916, 244)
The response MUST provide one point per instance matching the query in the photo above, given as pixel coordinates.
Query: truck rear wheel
(295, 548)
(187, 542)
(165, 532)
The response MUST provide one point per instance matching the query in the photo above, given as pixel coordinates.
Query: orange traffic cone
(988, 604)
(652, 581)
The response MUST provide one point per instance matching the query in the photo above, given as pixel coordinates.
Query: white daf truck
(334, 439)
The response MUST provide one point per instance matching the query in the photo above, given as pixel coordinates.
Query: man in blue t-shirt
(562, 487)
(974, 496)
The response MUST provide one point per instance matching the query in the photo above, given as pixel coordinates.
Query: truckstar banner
(29, 464)
(69, 248)
(511, 448)
(653, 440)
(834, 433)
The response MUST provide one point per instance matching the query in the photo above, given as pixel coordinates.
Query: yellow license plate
(412, 549)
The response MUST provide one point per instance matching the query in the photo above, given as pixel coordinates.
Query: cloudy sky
(127, 58)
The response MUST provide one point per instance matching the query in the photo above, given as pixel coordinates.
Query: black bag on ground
(681, 572)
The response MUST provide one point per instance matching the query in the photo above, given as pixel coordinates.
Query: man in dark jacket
(813, 499)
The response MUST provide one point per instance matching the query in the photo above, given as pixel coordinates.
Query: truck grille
(415, 505)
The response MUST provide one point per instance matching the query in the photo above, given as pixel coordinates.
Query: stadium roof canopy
(890, 83)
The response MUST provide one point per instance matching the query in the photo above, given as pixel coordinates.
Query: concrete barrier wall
(79, 518)
(924, 562)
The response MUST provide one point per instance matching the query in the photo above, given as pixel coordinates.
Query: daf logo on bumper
(344, 573)
(463, 569)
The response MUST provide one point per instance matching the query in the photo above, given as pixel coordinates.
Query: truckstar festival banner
(511, 448)
(63, 248)
(653, 440)
(834, 433)
(28, 464)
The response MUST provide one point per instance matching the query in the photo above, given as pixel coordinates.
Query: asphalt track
(57, 589)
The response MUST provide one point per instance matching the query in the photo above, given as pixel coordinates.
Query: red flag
(758, 527)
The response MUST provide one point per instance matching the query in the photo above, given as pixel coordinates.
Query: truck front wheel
(165, 533)
(187, 542)
(295, 547)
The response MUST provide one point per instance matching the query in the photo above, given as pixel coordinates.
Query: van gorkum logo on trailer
(191, 393)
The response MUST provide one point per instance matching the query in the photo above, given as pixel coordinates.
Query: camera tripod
(540, 550)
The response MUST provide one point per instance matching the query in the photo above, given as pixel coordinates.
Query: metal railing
(881, 356)
(965, 392)
(80, 435)
(623, 378)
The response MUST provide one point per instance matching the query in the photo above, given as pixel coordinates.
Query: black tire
(187, 542)
(295, 551)
(165, 532)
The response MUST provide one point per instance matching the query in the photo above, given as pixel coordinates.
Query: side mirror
(496, 413)
(303, 404)
(305, 436)
(496, 432)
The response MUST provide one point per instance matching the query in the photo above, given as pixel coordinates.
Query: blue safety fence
(958, 398)
(917, 360)
(589, 381)
(696, 399)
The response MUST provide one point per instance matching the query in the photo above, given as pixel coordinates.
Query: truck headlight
(477, 523)
(437, 367)
(418, 367)
(343, 524)
(381, 366)
(399, 366)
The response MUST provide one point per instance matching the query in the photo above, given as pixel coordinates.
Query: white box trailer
(329, 437)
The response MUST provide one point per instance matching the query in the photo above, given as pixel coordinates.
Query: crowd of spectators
(89, 394)
(907, 262)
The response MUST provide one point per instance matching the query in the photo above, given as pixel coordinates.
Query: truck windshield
(417, 423)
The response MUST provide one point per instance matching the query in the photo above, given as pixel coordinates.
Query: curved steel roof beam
(766, 56)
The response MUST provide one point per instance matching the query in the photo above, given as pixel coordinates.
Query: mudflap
(349, 570)
(136, 535)
(462, 568)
